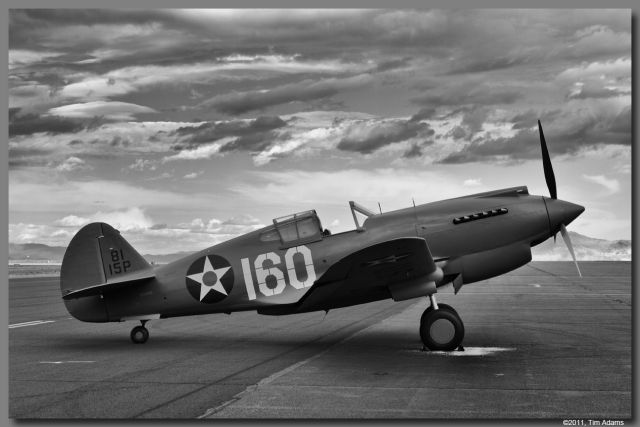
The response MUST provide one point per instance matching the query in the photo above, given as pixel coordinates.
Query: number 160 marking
(262, 273)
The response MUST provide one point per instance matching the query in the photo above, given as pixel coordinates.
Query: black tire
(442, 329)
(139, 335)
(440, 307)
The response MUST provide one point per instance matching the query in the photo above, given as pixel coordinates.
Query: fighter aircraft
(294, 266)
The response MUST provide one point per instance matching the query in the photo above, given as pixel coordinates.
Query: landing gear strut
(441, 329)
(140, 334)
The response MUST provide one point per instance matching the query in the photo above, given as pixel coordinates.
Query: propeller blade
(546, 163)
(567, 240)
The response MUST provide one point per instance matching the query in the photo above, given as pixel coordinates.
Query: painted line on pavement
(32, 323)
(59, 362)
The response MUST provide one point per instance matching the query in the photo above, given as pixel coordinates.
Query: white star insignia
(219, 272)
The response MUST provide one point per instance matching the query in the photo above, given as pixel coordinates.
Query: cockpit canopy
(305, 227)
(295, 229)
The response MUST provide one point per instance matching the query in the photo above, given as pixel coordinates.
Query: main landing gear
(140, 334)
(441, 329)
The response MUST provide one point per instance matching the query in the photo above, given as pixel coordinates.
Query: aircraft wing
(383, 263)
(400, 268)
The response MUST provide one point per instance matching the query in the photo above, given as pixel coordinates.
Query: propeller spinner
(560, 213)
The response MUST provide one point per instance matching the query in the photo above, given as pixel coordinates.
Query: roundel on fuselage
(210, 279)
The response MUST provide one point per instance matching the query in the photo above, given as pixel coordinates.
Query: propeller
(551, 184)
(567, 241)
(546, 163)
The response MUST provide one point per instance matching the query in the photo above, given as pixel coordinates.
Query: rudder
(98, 255)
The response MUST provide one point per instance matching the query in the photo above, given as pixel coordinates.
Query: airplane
(294, 266)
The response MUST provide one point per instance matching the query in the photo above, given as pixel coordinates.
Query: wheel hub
(442, 331)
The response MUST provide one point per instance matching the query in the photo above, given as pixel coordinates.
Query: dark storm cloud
(393, 64)
(119, 141)
(365, 138)
(468, 37)
(306, 90)
(414, 151)
(21, 153)
(425, 113)
(470, 99)
(211, 131)
(457, 132)
(52, 78)
(253, 143)
(27, 26)
(13, 112)
(52, 17)
(28, 157)
(473, 60)
(484, 64)
(32, 123)
(252, 135)
(565, 137)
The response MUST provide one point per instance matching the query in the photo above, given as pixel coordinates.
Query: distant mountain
(35, 252)
(587, 249)
(39, 252)
(165, 259)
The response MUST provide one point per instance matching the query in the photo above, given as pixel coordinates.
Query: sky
(184, 128)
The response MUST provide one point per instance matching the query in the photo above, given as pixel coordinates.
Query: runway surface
(540, 343)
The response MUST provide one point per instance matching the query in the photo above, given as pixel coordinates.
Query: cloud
(596, 40)
(23, 57)
(471, 72)
(112, 110)
(296, 189)
(139, 229)
(611, 184)
(32, 123)
(414, 151)
(268, 138)
(468, 93)
(472, 182)
(94, 140)
(366, 137)
(123, 220)
(615, 68)
(82, 196)
(584, 92)
(72, 164)
(306, 90)
(425, 113)
(567, 131)
(141, 165)
(201, 152)
(252, 135)
(193, 175)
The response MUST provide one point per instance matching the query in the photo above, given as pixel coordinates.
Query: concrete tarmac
(540, 343)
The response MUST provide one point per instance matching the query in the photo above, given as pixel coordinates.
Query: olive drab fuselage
(470, 238)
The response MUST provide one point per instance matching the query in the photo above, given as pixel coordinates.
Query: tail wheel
(139, 335)
(442, 329)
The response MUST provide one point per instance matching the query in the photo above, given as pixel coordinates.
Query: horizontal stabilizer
(122, 281)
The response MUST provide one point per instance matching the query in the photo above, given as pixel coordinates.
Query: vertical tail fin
(97, 255)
